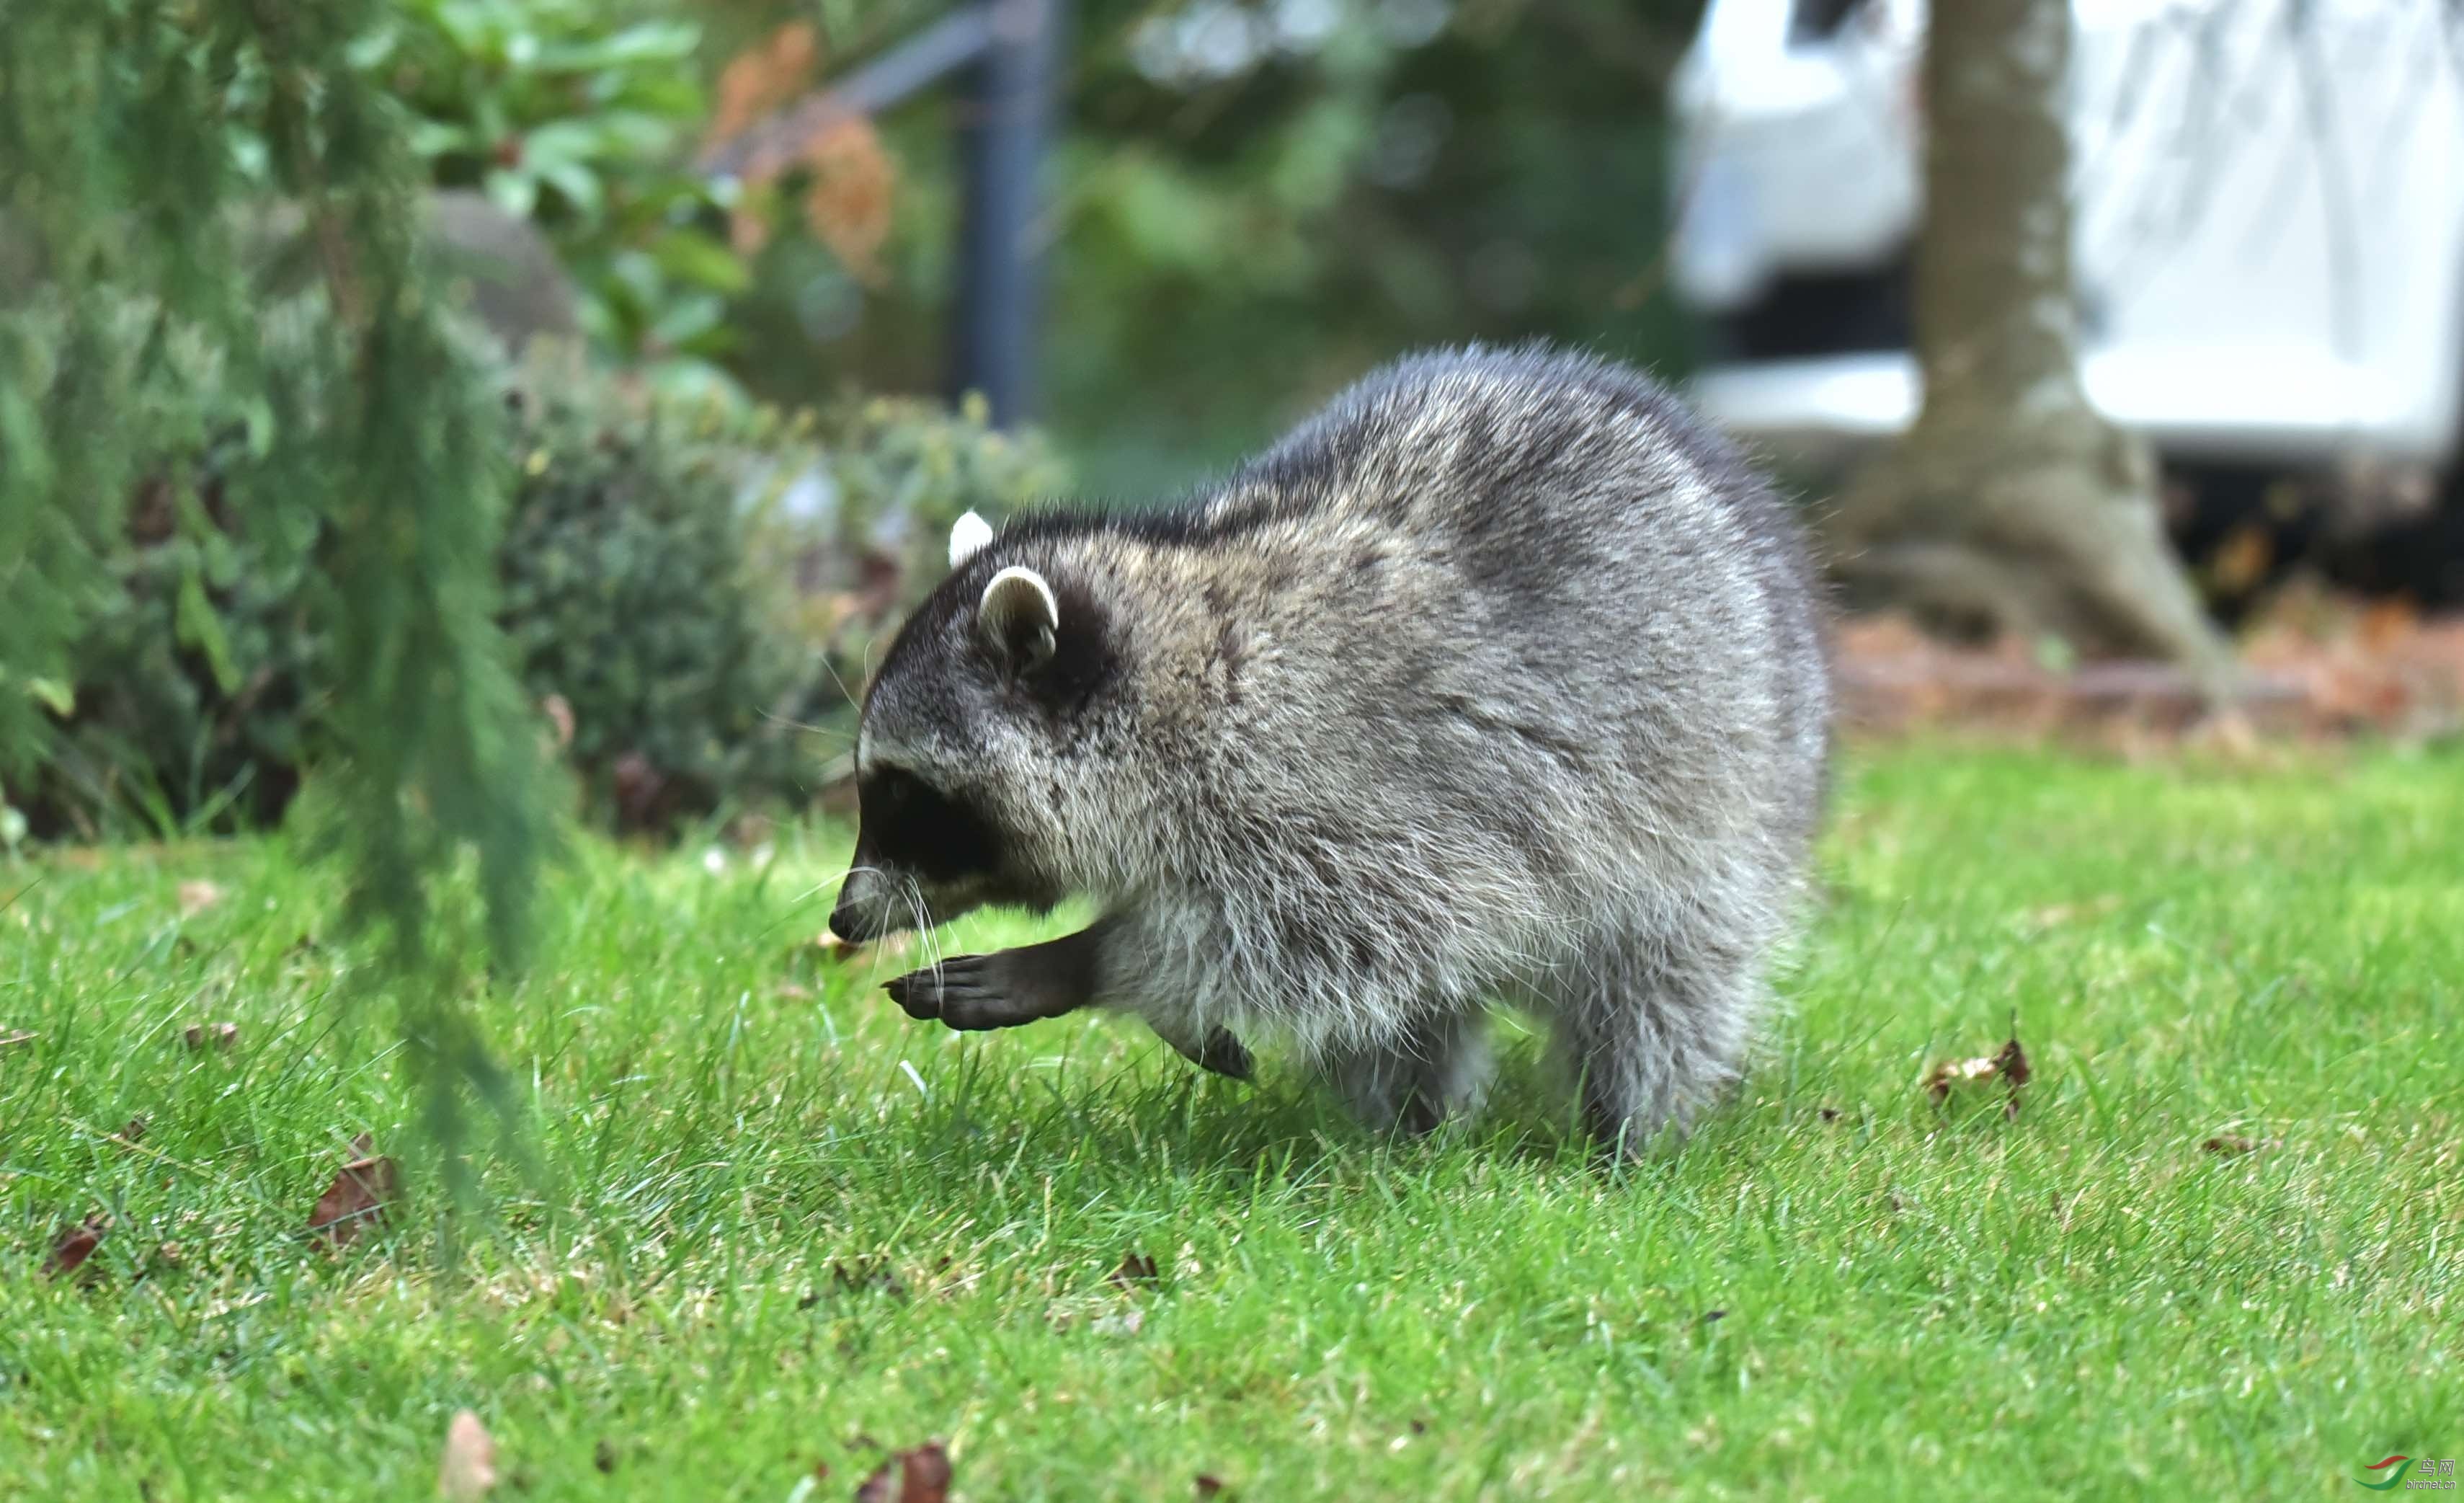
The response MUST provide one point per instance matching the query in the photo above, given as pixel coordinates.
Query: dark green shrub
(192, 701)
(633, 597)
(869, 529)
(690, 586)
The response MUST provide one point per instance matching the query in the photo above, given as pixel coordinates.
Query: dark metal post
(1004, 114)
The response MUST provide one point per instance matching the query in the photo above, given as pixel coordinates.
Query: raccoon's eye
(911, 823)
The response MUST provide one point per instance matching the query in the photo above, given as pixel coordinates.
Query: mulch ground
(2313, 668)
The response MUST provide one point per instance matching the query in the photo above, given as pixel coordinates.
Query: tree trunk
(2011, 504)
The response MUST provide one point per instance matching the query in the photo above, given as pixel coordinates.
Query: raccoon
(1501, 679)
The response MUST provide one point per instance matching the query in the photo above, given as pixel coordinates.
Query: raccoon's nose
(859, 913)
(854, 920)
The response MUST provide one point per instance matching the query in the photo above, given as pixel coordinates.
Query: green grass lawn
(774, 1224)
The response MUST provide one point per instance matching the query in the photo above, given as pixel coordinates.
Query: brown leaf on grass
(867, 1274)
(1209, 1485)
(2233, 1144)
(2053, 916)
(198, 1036)
(638, 785)
(133, 1132)
(469, 1469)
(13, 1040)
(361, 1191)
(843, 952)
(198, 896)
(1952, 1073)
(2009, 1067)
(74, 1245)
(1136, 1270)
(921, 1476)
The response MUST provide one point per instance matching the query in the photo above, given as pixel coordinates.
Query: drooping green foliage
(137, 139)
(580, 116)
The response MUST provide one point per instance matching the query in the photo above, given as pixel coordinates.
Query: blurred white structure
(2269, 225)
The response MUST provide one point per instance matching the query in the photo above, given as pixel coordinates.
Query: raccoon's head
(963, 775)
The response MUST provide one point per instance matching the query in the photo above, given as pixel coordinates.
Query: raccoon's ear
(1020, 618)
(967, 537)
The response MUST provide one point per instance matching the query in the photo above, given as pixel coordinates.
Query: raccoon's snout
(864, 912)
(855, 922)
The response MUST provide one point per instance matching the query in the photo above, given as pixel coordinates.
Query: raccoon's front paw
(975, 992)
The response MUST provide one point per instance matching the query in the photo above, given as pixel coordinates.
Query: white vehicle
(2268, 223)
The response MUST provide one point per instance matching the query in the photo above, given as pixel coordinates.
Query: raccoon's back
(1543, 562)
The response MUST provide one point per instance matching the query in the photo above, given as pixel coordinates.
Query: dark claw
(918, 993)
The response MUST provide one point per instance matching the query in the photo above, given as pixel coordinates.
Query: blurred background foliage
(723, 509)
(1248, 202)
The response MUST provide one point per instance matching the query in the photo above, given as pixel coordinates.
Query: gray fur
(1500, 679)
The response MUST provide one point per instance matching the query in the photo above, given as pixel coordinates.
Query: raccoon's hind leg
(1433, 1068)
(1215, 1048)
(1652, 1030)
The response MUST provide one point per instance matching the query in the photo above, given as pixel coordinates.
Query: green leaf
(652, 41)
(515, 192)
(53, 696)
(689, 317)
(703, 260)
(578, 187)
(431, 139)
(198, 627)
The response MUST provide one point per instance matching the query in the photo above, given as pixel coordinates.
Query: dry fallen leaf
(221, 1035)
(1209, 1485)
(921, 1476)
(2010, 1067)
(358, 1195)
(73, 1246)
(198, 896)
(469, 1469)
(2231, 1145)
(2055, 915)
(1137, 1269)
